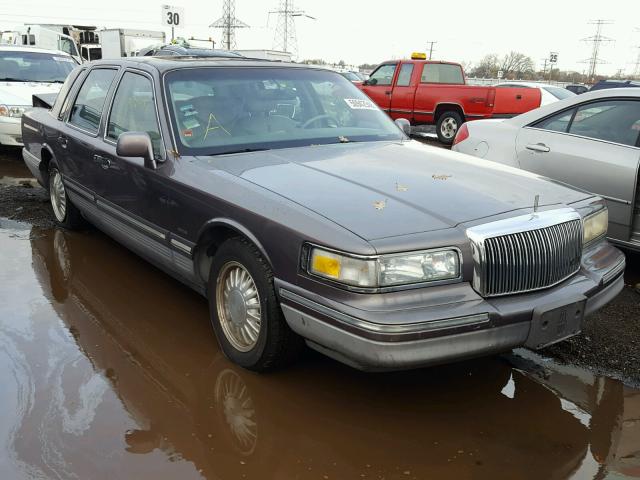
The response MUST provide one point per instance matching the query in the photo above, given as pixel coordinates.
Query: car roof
(28, 48)
(166, 63)
(527, 84)
(550, 109)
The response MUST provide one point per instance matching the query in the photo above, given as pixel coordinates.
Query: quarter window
(87, 109)
(442, 73)
(404, 77)
(383, 75)
(611, 120)
(134, 110)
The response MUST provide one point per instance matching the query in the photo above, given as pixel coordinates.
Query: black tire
(446, 120)
(276, 344)
(71, 218)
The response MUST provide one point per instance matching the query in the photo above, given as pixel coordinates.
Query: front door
(380, 85)
(593, 146)
(403, 93)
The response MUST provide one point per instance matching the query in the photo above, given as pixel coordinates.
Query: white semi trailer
(121, 42)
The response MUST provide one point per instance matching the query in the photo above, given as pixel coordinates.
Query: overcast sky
(371, 31)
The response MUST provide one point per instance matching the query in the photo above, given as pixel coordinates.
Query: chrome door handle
(63, 141)
(538, 147)
(105, 164)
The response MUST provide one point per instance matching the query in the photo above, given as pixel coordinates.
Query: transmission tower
(228, 23)
(598, 39)
(285, 38)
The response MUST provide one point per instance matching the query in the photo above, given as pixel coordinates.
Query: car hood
(19, 93)
(384, 189)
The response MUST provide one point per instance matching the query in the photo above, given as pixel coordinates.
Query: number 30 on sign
(172, 16)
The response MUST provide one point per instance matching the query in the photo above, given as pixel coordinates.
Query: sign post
(173, 17)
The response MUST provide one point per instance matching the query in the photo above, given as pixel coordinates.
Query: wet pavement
(109, 370)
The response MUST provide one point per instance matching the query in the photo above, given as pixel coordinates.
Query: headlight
(595, 226)
(385, 270)
(15, 111)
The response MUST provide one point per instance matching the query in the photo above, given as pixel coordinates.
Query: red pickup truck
(427, 92)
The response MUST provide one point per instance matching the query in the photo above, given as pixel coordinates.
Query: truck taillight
(463, 134)
(491, 97)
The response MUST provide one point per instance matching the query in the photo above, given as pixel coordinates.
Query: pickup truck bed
(427, 92)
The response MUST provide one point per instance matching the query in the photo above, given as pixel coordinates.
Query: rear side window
(442, 73)
(404, 77)
(87, 109)
(134, 110)
(57, 109)
(610, 120)
(383, 75)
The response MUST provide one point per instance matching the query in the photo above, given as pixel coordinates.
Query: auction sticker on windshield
(63, 59)
(360, 104)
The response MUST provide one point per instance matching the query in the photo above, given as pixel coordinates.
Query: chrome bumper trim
(390, 329)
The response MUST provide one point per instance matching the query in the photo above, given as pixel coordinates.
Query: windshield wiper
(242, 150)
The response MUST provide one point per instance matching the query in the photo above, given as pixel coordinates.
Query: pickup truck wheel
(447, 126)
(65, 212)
(244, 310)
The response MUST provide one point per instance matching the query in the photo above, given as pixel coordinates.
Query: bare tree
(487, 67)
(516, 64)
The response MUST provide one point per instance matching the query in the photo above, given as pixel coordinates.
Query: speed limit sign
(172, 16)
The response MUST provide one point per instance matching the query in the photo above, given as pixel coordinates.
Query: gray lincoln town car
(304, 214)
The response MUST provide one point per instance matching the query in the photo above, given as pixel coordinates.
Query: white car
(590, 141)
(549, 93)
(25, 71)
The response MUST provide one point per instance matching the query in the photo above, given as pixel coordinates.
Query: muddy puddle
(109, 370)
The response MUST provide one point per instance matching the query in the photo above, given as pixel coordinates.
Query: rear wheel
(244, 310)
(65, 212)
(447, 126)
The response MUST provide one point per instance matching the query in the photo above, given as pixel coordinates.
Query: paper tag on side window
(360, 104)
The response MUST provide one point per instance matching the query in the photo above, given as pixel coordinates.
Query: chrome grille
(523, 261)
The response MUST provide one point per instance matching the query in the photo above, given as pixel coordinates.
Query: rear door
(404, 92)
(594, 146)
(380, 85)
(510, 101)
(79, 134)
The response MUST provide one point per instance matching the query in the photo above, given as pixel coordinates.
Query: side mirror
(371, 81)
(404, 125)
(136, 144)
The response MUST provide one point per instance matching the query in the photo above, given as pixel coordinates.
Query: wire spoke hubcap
(449, 127)
(58, 196)
(238, 306)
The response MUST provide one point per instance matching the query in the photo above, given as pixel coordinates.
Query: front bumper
(10, 131)
(401, 338)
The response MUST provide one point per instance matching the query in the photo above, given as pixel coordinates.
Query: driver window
(134, 110)
(615, 121)
(383, 75)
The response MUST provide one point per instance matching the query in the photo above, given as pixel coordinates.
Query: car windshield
(19, 66)
(224, 110)
(351, 76)
(560, 93)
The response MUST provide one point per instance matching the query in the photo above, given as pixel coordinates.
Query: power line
(229, 23)
(285, 38)
(597, 40)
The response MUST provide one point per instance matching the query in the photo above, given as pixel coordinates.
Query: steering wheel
(312, 120)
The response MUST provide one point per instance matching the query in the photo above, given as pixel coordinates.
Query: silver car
(591, 141)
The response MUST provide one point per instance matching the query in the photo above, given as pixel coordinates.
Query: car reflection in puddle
(113, 371)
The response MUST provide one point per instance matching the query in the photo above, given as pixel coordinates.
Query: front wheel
(65, 212)
(244, 310)
(447, 126)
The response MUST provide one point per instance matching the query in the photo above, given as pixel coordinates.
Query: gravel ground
(609, 344)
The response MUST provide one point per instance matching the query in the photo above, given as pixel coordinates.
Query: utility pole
(431, 49)
(285, 38)
(228, 23)
(597, 41)
(544, 68)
